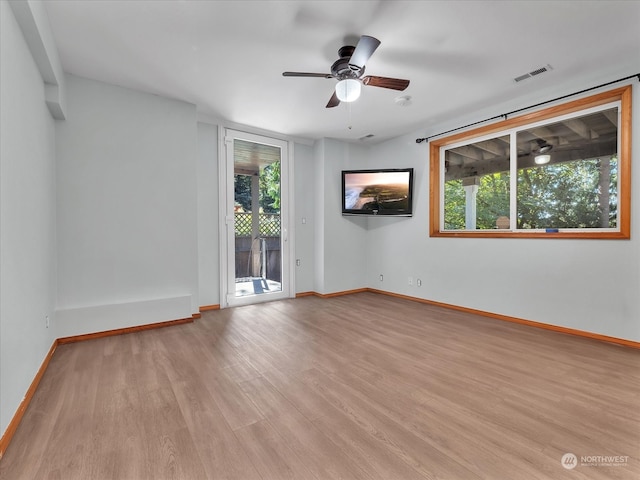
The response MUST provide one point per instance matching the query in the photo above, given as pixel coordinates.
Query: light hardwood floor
(363, 386)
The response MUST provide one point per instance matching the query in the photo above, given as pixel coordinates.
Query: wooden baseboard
(206, 308)
(306, 294)
(496, 316)
(507, 318)
(334, 294)
(122, 331)
(17, 418)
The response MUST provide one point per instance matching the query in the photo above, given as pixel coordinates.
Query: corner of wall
(34, 23)
(318, 164)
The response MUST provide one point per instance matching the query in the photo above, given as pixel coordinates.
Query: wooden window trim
(622, 94)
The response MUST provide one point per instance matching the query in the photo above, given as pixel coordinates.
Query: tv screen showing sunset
(376, 190)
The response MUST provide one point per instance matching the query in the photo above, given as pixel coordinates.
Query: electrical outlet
(381, 277)
(410, 280)
(297, 262)
(419, 282)
(46, 321)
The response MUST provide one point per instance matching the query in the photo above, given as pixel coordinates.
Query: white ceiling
(227, 57)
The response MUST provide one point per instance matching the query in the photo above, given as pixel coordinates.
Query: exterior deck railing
(245, 257)
(269, 224)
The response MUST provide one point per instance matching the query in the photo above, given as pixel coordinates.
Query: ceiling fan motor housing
(342, 69)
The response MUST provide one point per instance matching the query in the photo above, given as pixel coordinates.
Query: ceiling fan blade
(385, 82)
(333, 101)
(306, 74)
(365, 48)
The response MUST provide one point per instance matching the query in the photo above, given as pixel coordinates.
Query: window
(562, 172)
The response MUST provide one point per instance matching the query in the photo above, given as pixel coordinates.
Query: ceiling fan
(349, 71)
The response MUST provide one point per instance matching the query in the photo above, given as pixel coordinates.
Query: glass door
(256, 220)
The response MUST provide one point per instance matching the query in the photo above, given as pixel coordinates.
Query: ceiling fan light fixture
(542, 159)
(543, 156)
(348, 90)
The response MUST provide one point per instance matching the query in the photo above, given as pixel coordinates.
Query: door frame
(226, 217)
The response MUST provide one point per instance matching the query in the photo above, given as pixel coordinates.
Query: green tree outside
(270, 188)
(577, 194)
(269, 183)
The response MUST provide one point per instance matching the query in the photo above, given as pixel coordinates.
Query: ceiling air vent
(533, 73)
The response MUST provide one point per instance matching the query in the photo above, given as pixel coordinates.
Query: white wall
(318, 217)
(305, 202)
(208, 237)
(341, 240)
(589, 285)
(27, 218)
(127, 208)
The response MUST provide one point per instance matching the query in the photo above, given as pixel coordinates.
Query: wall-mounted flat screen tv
(378, 192)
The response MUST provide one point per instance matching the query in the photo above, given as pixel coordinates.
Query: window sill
(562, 234)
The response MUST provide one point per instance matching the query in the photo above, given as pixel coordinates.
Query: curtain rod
(505, 115)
